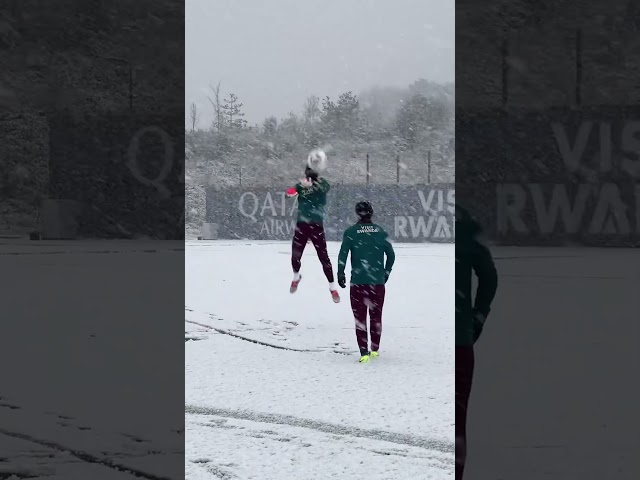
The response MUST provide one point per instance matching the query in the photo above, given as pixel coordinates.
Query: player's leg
(464, 381)
(319, 241)
(376, 304)
(359, 308)
(300, 238)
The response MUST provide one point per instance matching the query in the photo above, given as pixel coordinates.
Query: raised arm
(322, 185)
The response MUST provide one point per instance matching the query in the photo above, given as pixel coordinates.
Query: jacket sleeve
(485, 270)
(391, 255)
(321, 186)
(345, 248)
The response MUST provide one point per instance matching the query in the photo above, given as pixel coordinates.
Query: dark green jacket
(471, 256)
(368, 244)
(312, 201)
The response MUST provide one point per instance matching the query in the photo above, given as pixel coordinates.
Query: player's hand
(342, 281)
(306, 182)
(291, 192)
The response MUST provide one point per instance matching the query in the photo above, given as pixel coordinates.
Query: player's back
(312, 201)
(368, 243)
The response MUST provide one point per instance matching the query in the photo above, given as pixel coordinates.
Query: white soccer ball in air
(317, 160)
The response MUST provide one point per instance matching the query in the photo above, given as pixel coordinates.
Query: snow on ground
(553, 396)
(273, 387)
(555, 391)
(65, 412)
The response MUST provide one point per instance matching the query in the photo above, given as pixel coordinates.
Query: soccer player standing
(368, 244)
(471, 256)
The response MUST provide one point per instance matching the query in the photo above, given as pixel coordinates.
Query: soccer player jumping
(368, 244)
(312, 199)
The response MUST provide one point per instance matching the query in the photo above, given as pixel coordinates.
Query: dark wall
(421, 213)
(125, 172)
(552, 177)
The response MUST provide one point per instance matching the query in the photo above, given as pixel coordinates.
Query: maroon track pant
(464, 379)
(367, 298)
(314, 232)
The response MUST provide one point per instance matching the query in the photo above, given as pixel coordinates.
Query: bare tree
(218, 115)
(193, 116)
(270, 126)
(312, 110)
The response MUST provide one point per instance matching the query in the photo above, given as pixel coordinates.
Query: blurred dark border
(92, 232)
(548, 162)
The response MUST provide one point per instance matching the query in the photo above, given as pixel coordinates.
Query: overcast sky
(273, 54)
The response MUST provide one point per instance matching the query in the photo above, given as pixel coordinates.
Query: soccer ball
(317, 160)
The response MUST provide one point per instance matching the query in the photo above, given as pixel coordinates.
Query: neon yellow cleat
(364, 359)
(374, 354)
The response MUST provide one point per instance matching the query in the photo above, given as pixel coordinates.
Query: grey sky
(273, 54)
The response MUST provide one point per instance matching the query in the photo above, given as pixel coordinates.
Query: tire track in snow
(258, 342)
(83, 456)
(381, 435)
(246, 339)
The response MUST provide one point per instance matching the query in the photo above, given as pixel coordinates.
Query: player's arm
(322, 185)
(293, 191)
(391, 257)
(485, 270)
(345, 248)
(318, 185)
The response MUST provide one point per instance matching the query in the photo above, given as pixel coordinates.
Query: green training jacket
(312, 201)
(368, 244)
(471, 256)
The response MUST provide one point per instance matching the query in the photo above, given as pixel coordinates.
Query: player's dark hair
(311, 173)
(364, 211)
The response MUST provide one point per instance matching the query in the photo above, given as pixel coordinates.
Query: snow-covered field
(555, 393)
(273, 387)
(83, 386)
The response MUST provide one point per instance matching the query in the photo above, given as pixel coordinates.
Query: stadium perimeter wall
(409, 213)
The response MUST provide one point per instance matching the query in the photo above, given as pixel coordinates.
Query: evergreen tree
(232, 111)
